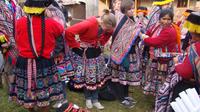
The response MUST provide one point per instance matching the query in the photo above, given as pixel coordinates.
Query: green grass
(144, 103)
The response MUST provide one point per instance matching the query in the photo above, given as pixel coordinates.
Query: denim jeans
(64, 89)
(91, 95)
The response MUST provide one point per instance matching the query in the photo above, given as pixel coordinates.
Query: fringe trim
(193, 28)
(178, 36)
(186, 14)
(33, 10)
(144, 11)
(162, 2)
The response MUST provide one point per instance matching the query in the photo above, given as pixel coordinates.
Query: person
(155, 12)
(185, 35)
(10, 11)
(36, 81)
(61, 56)
(163, 40)
(115, 6)
(141, 16)
(186, 71)
(124, 54)
(86, 39)
(153, 17)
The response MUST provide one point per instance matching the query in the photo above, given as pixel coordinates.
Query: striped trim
(33, 10)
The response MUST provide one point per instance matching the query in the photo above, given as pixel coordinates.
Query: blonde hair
(108, 18)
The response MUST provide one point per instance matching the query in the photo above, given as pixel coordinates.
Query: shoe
(57, 104)
(130, 99)
(60, 103)
(127, 104)
(98, 105)
(89, 104)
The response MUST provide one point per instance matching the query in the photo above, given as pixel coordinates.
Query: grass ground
(144, 103)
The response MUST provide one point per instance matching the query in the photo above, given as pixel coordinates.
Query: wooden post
(136, 6)
(188, 4)
(107, 3)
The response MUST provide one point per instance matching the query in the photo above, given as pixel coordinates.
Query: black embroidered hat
(193, 22)
(36, 6)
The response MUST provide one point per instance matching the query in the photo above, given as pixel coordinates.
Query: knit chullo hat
(36, 6)
(187, 12)
(193, 22)
(162, 2)
(142, 9)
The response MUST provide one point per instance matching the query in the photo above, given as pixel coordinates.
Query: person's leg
(64, 90)
(95, 96)
(126, 90)
(88, 97)
(59, 103)
(119, 91)
(1, 85)
(95, 101)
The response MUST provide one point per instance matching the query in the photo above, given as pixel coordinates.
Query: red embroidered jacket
(52, 31)
(87, 31)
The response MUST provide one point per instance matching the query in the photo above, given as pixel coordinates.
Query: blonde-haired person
(125, 60)
(116, 5)
(87, 58)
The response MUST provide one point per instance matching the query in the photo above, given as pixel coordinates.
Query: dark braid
(43, 34)
(30, 36)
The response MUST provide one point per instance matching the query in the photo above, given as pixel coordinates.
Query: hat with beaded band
(192, 23)
(36, 6)
(162, 2)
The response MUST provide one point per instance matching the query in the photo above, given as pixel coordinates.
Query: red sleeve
(178, 23)
(71, 31)
(185, 69)
(58, 29)
(162, 40)
(104, 38)
(148, 32)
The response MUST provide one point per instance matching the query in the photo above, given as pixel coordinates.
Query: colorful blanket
(124, 36)
(153, 17)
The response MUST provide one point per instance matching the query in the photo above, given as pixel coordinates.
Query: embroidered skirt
(89, 73)
(155, 76)
(65, 67)
(131, 76)
(164, 96)
(45, 86)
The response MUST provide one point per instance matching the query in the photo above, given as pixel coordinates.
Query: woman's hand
(143, 36)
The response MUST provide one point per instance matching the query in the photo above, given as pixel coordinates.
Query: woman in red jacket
(36, 77)
(162, 37)
(86, 40)
(186, 72)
